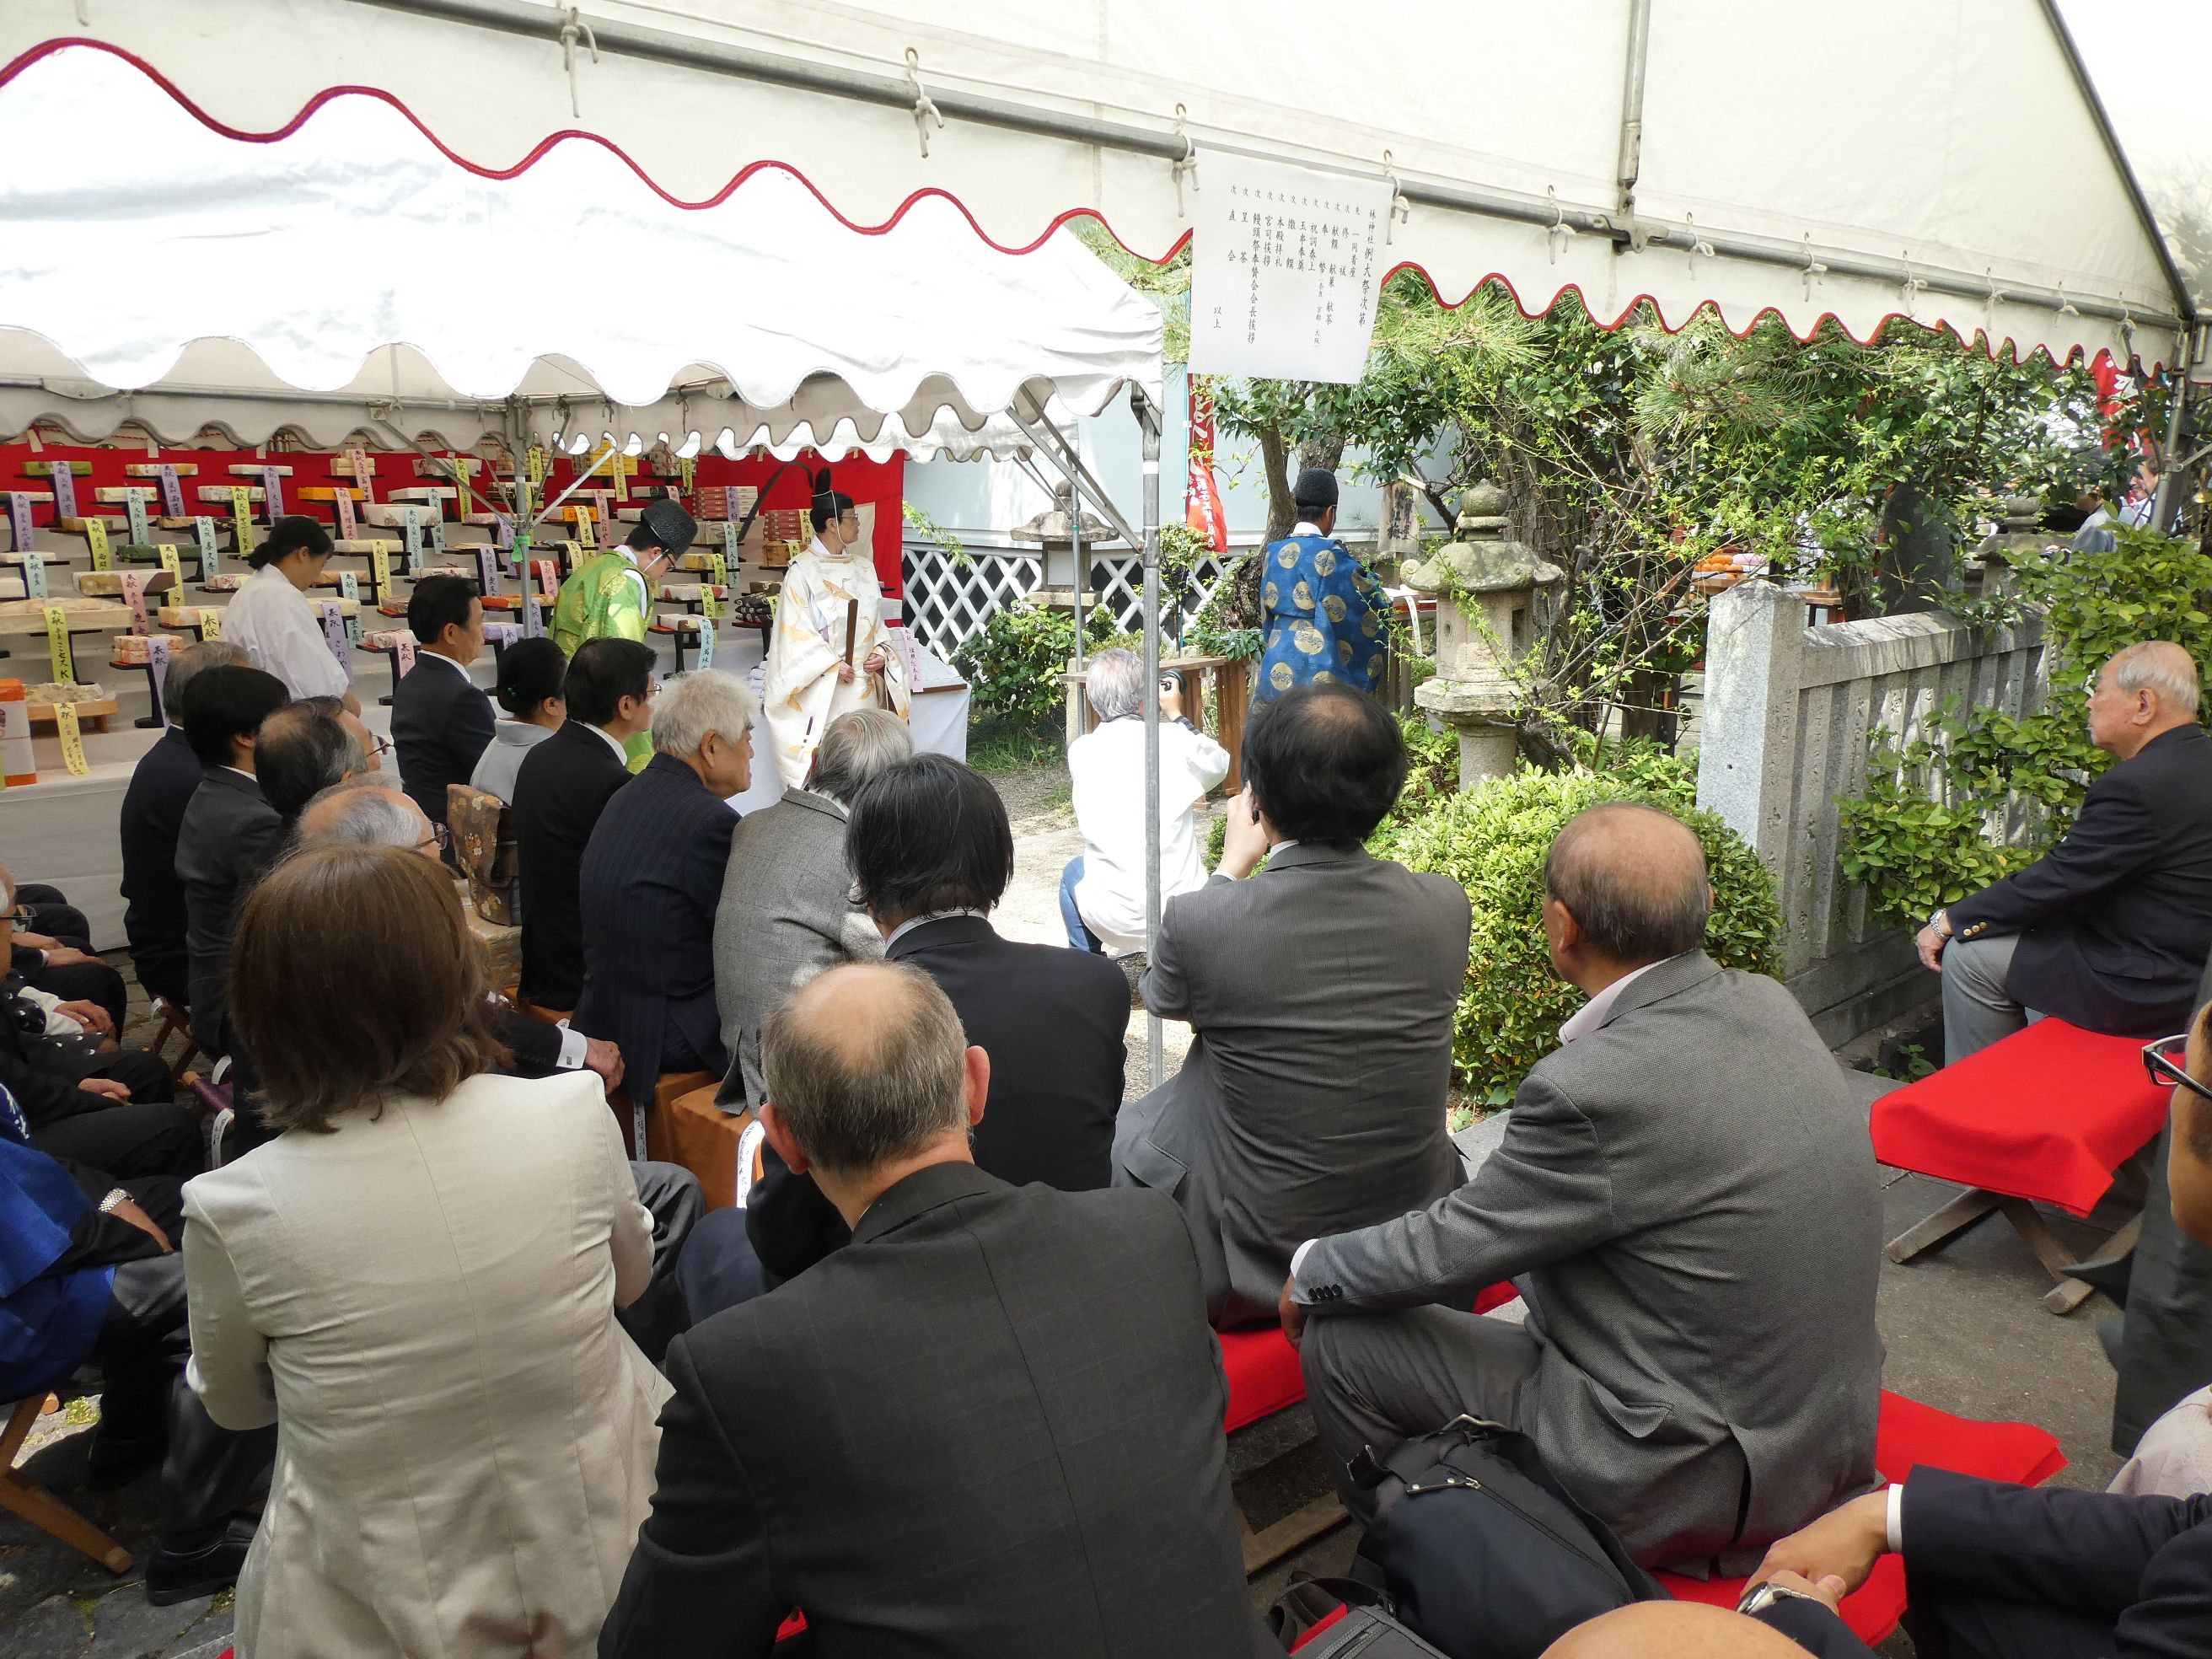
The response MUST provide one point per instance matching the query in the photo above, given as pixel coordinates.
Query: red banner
(1201, 495)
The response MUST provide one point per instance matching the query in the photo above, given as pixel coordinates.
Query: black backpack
(1477, 1550)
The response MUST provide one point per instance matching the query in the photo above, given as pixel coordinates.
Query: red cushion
(1908, 1435)
(2048, 1113)
(1262, 1367)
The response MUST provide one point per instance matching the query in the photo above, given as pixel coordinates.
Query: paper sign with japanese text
(334, 635)
(342, 510)
(172, 492)
(134, 513)
(96, 543)
(34, 576)
(65, 490)
(210, 546)
(211, 621)
(19, 520)
(57, 645)
(272, 491)
(157, 668)
(65, 728)
(134, 595)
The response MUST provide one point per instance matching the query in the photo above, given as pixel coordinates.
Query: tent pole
(1148, 417)
(1631, 117)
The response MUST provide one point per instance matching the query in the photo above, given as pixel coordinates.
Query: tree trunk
(1274, 455)
(1327, 453)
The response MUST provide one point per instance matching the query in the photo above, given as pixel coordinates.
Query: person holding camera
(1102, 890)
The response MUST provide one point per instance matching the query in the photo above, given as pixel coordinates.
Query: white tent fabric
(157, 252)
(1936, 157)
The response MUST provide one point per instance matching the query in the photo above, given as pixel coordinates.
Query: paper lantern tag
(168, 555)
(380, 570)
(210, 547)
(364, 471)
(65, 728)
(157, 666)
(342, 507)
(134, 595)
(708, 633)
(242, 519)
(58, 643)
(95, 543)
(65, 490)
(211, 621)
(173, 493)
(34, 576)
(272, 492)
(19, 520)
(403, 658)
(134, 511)
(334, 635)
(488, 570)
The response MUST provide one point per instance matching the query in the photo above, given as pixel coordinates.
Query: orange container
(17, 763)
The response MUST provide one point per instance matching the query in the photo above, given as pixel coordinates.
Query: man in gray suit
(1322, 992)
(786, 911)
(1689, 1191)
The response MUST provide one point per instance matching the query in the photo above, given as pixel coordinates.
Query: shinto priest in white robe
(801, 687)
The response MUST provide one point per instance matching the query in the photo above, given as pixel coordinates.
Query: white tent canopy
(1940, 158)
(347, 274)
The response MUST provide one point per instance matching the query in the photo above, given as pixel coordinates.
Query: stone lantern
(1054, 531)
(2017, 539)
(1486, 585)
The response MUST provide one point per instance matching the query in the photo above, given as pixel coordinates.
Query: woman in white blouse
(417, 1282)
(270, 614)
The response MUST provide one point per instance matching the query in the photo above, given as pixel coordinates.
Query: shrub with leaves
(1013, 663)
(1492, 841)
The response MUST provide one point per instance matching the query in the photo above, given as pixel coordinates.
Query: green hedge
(1493, 842)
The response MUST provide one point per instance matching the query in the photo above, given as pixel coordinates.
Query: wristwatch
(119, 1196)
(1939, 924)
(1765, 1595)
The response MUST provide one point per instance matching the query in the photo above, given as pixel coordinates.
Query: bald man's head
(2145, 691)
(1633, 879)
(1674, 1630)
(866, 1064)
(365, 811)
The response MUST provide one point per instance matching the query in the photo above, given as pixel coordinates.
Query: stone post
(1747, 752)
(1486, 585)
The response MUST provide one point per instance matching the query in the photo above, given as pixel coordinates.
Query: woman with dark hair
(831, 650)
(269, 616)
(417, 1282)
(531, 673)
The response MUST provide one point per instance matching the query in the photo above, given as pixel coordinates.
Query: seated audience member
(162, 787)
(84, 1098)
(2189, 1168)
(302, 749)
(1691, 1629)
(228, 828)
(651, 877)
(787, 910)
(1102, 891)
(530, 676)
(52, 953)
(1320, 996)
(441, 723)
(416, 1282)
(93, 1277)
(365, 813)
(1993, 1571)
(2173, 1458)
(991, 1426)
(559, 792)
(1689, 1190)
(2111, 928)
(931, 854)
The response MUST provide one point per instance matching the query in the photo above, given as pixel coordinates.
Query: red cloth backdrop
(882, 482)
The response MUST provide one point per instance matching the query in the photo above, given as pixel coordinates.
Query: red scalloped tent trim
(544, 146)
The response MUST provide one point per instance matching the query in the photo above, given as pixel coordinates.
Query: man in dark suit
(651, 877)
(1688, 1193)
(991, 1426)
(1321, 994)
(561, 789)
(162, 787)
(931, 854)
(441, 723)
(228, 829)
(1993, 1571)
(2111, 928)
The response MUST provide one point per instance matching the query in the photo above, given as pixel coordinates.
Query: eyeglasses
(20, 916)
(439, 837)
(2164, 1061)
(382, 747)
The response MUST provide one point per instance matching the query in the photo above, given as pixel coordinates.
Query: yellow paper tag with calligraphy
(380, 570)
(211, 621)
(537, 465)
(242, 514)
(169, 560)
(58, 643)
(95, 543)
(586, 537)
(65, 728)
(686, 471)
(710, 597)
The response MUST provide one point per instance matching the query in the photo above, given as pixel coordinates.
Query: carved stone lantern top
(2018, 535)
(1482, 557)
(1055, 527)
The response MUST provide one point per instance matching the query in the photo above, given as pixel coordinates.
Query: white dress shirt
(1107, 769)
(283, 636)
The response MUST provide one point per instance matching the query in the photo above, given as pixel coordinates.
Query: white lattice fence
(948, 601)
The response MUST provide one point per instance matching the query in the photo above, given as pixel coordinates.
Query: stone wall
(1787, 718)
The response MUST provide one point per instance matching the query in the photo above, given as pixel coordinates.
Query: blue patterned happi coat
(1324, 618)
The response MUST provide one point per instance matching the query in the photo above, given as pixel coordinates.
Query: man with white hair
(1102, 891)
(2111, 928)
(651, 878)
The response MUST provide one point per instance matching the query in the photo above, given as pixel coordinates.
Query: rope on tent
(1990, 307)
(2066, 307)
(925, 106)
(1911, 290)
(1189, 166)
(1814, 268)
(1561, 230)
(1402, 210)
(1698, 245)
(572, 25)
